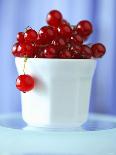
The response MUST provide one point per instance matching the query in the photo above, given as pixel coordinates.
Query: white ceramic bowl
(61, 95)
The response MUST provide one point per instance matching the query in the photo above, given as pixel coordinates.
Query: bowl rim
(57, 59)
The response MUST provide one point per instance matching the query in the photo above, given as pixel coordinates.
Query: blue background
(15, 15)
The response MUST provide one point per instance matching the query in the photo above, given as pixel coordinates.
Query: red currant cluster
(58, 40)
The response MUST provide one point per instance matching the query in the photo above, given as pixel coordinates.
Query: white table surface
(97, 138)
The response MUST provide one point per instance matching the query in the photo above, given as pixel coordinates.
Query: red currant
(65, 54)
(76, 39)
(65, 31)
(30, 49)
(76, 54)
(85, 37)
(59, 43)
(40, 52)
(35, 48)
(21, 49)
(25, 83)
(39, 41)
(76, 51)
(64, 22)
(46, 34)
(68, 45)
(54, 18)
(86, 52)
(30, 36)
(14, 50)
(20, 37)
(84, 28)
(74, 30)
(98, 50)
(77, 48)
(26, 49)
(50, 51)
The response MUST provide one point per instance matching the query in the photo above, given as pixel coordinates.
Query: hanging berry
(25, 83)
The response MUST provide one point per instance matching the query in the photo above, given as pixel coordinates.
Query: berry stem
(27, 28)
(24, 66)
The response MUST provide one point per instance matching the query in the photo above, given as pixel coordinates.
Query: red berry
(65, 31)
(68, 45)
(74, 30)
(77, 48)
(76, 54)
(76, 39)
(30, 36)
(14, 50)
(85, 37)
(39, 53)
(35, 48)
(36, 53)
(64, 22)
(26, 49)
(86, 52)
(25, 83)
(39, 42)
(65, 54)
(98, 50)
(46, 34)
(50, 51)
(54, 18)
(76, 51)
(20, 37)
(84, 28)
(59, 43)
(21, 49)
(30, 49)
